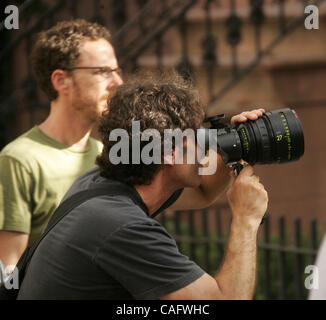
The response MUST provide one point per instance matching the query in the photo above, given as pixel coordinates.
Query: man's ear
(60, 81)
(169, 159)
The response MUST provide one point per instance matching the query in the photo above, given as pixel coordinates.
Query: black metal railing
(257, 18)
(149, 24)
(18, 94)
(283, 253)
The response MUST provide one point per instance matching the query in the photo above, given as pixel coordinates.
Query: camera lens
(275, 137)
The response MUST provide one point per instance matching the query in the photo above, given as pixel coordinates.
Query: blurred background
(241, 55)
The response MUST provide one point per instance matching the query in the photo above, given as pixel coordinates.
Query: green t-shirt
(35, 173)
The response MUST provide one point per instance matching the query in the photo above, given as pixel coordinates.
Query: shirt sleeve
(15, 196)
(145, 260)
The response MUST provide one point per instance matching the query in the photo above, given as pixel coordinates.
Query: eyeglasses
(106, 72)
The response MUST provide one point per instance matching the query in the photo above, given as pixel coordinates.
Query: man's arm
(12, 245)
(212, 186)
(236, 277)
(15, 212)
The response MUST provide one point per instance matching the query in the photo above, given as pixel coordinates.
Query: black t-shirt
(107, 248)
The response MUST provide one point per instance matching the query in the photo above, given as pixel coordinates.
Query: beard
(90, 108)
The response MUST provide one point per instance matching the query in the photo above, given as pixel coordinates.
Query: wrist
(243, 236)
(247, 223)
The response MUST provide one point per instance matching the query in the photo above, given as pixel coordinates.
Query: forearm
(237, 275)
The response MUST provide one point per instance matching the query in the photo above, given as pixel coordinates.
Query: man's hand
(251, 115)
(247, 197)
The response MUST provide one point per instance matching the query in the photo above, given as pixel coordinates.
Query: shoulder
(144, 230)
(21, 151)
(100, 218)
(136, 232)
(24, 148)
(117, 210)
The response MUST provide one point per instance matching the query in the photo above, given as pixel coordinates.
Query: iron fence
(283, 253)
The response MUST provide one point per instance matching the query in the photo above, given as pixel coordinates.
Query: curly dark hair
(59, 48)
(158, 102)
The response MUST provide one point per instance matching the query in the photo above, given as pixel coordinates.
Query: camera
(275, 137)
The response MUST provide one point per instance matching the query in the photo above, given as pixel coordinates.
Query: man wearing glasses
(76, 67)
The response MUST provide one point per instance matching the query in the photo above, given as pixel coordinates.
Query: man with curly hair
(75, 65)
(110, 247)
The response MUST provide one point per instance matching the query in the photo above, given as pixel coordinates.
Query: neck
(157, 193)
(67, 126)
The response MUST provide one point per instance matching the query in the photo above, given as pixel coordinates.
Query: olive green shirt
(35, 173)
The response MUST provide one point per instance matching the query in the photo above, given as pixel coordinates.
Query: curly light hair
(59, 48)
(157, 102)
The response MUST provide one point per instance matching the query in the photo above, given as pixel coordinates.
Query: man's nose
(117, 79)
